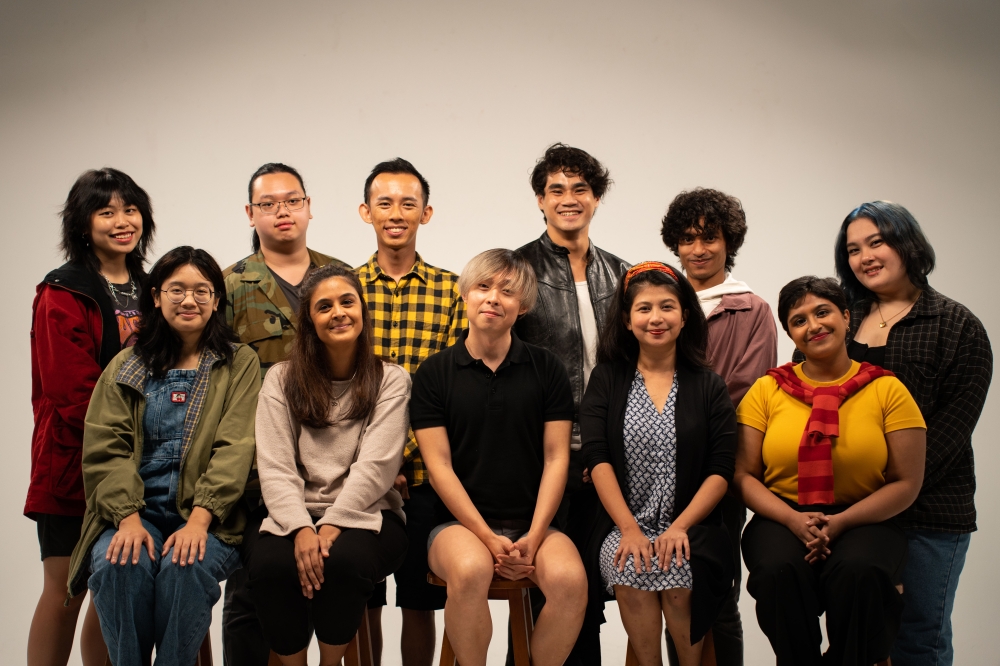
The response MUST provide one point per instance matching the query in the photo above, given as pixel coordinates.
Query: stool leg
(521, 626)
(359, 650)
(447, 654)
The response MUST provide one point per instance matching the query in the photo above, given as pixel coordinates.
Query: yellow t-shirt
(860, 453)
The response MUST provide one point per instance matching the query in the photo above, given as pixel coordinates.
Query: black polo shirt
(495, 421)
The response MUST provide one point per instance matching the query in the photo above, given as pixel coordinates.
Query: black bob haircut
(722, 214)
(157, 344)
(92, 191)
(398, 165)
(267, 169)
(572, 161)
(617, 343)
(900, 231)
(793, 293)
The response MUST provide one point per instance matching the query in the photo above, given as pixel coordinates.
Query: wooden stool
(359, 650)
(522, 624)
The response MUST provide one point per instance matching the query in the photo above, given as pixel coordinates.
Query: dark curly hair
(92, 191)
(900, 231)
(560, 157)
(721, 212)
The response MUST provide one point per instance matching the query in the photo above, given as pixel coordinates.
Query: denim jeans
(156, 602)
(930, 581)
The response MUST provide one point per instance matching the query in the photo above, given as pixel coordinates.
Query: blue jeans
(157, 602)
(930, 581)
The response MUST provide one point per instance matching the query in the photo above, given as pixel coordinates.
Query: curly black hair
(560, 157)
(720, 212)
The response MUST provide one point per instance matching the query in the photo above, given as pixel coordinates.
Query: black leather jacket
(554, 322)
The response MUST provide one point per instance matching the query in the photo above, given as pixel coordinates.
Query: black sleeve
(558, 394)
(427, 397)
(594, 418)
(961, 397)
(721, 454)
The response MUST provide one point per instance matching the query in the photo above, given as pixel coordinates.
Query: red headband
(646, 266)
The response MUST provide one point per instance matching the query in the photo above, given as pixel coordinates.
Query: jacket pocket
(65, 465)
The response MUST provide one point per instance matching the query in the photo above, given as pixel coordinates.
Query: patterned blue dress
(651, 471)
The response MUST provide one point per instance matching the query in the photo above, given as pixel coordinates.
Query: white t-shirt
(588, 327)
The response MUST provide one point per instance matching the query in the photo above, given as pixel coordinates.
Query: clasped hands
(513, 560)
(817, 531)
(311, 549)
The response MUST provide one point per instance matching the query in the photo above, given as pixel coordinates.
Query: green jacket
(217, 448)
(258, 311)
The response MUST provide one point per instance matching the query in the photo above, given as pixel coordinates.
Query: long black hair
(158, 345)
(307, 386)
(900, 231)
(92, 191)
(617, 343)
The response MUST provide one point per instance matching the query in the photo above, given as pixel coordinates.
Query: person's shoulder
(757, 303)
(441, 276)
(244, 355)
(436, 362)
(954, 312)
(612, 260)
(394, 376)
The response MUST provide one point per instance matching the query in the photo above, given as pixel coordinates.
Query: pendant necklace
(131, 293)
(336, 398)
(884, 322)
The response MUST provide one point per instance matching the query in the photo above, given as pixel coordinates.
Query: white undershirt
(588, 328)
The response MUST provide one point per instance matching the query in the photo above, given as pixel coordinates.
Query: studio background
(802, 110)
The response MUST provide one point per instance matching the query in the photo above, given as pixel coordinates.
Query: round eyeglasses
(176, 295)
(271, 207)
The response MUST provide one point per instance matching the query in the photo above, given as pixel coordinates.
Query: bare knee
(469, 578)
(566, 585)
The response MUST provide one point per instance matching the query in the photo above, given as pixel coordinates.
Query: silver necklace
(336, 398)
(131, 293)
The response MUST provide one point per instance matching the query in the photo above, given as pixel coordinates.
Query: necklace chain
(884, 322)
(131, 293)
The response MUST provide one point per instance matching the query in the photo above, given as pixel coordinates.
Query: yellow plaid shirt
(416, 317)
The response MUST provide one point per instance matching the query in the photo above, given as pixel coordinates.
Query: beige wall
(803, 110)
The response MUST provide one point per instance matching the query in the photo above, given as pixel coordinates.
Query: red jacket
(68, 353)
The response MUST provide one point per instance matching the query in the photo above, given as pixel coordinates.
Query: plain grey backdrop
(802, 110)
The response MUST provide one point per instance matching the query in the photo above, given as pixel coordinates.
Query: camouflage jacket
(258, 311)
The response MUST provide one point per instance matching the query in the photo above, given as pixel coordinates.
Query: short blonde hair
(505, 266)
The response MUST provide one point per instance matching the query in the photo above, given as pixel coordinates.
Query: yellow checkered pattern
(416, 317)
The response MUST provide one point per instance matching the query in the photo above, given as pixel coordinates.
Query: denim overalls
(157, 602)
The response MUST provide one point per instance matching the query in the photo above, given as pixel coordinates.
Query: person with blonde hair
(492, 416)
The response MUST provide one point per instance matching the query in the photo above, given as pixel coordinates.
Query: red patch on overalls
(178, 396)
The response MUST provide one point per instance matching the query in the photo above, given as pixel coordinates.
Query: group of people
(302, 430)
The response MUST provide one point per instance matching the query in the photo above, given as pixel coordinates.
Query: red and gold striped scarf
(816, 447)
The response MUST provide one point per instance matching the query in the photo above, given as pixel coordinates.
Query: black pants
(727, 632)
(424, 511)
(358, 560)
(855, 586)
(575, 518)
(243, 641)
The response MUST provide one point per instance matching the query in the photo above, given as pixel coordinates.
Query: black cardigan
(706, 445)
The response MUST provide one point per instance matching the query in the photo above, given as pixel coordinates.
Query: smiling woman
(84, 313)
(167, 449)
(830, 451)
(331, 427)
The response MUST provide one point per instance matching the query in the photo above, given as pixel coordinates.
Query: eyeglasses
(271, 207)
(202, 295)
